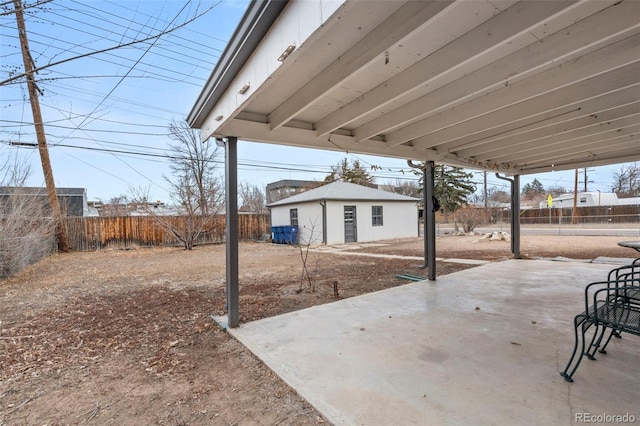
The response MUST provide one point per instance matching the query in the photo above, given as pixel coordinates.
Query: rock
(496, 236)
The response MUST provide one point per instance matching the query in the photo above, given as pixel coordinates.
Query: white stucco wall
(400, 220)
(309, 220)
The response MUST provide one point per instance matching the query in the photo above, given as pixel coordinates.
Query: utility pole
(586, 181)
(574, 218)
(486, 202)
(54, 205)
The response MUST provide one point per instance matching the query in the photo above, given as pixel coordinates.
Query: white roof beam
(571, 140)
(584, 91)
(593, 64)
(394, 29)
(610, 25)
(307, 138)
(631, 154)
(627, 149)
(458, 139)
(448, 61)
(611, 145)
(615, 118)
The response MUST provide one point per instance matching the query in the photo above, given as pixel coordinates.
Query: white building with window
(583, 199)
(343, 212)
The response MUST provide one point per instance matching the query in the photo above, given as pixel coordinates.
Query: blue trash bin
(291, 235)
(278, 236)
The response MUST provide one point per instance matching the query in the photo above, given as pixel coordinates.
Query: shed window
(293, 215)
(376, 215)
(583, 199)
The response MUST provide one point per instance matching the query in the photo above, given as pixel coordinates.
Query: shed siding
(335, 221)
(309, 220)
(400, 220)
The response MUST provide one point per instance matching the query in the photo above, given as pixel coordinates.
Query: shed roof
(343, 191)
(510, 86)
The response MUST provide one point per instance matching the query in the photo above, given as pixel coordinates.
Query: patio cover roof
(516, 87)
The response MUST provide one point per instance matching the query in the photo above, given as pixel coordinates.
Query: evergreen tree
(532, 188)
(353, 173)
(556, 190)
(452, 187)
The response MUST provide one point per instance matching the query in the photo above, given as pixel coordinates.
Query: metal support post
(430, 219)
(425, 238)
(515, 214)
(428, 216)
(231, 190)
(515, 221)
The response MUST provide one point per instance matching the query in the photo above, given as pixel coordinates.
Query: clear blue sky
(106, 115)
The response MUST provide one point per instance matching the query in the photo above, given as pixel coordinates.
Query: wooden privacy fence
(94, 233)
(584, 215)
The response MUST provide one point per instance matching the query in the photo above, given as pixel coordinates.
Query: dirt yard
(125, 337)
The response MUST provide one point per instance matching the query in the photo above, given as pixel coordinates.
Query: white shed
(342, 212)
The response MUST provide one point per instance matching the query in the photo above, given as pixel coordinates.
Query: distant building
(631, 201)
(342, 212)
(73, 201)
(584, 199)
(281, 189)
(157, 209)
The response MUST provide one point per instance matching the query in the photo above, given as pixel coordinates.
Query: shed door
(350, 234)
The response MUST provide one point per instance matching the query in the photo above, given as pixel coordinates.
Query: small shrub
(469, 218)
(309, 265)
(26, 234)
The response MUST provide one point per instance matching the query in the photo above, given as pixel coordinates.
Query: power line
(121, 132)
(101, 17)
(150, 41)
(120, 59)
(244, 163)
(48, 122)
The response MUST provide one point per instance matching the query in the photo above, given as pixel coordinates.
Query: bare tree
(252, 198)
(556, 190)
(310, 266)
(471, 217)
(27, 232)
(627, 181)
(409, 188)
(193, 181)
(116, 206)
(497, 196)
(196, 189)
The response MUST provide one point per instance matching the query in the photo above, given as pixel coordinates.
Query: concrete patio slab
(481, 346)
